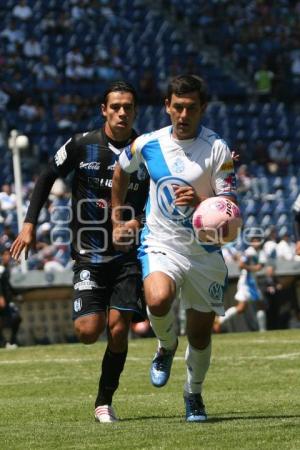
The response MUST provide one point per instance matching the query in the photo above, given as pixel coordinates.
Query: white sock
(197, 363)
(261, 320)
(230, 312)
(164, 329)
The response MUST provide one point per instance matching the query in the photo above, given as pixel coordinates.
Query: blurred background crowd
(57, 57)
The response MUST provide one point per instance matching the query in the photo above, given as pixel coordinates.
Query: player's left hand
(185, 196)
(235, 156)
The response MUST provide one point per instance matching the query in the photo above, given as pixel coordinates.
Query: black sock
(15, 325)
(112, 367)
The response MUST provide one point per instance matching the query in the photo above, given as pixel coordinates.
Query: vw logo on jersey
(85, 275)
(178, 165)
(216, 291)
(165, 199)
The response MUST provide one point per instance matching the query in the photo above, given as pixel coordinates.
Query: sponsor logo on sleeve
(229, 183)
(60, 156)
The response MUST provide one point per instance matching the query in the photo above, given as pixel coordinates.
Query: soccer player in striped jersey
(107, 283)
(186, 163)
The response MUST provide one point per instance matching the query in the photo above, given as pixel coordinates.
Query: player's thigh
(126, 292)
(90, 290)
(162, 274)
(90, 326)
(204, 285)
(159, 288)
(90, 296)
(198, 327)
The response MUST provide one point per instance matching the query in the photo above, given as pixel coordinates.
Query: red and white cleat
(105, 414)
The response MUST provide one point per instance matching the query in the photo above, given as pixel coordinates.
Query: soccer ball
(217, 220)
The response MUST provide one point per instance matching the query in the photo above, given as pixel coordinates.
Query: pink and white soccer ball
(217, 220)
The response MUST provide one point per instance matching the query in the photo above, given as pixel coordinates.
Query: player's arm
(2, 302)
(2, 298)
(26, 238)
(60, 167)
(223, 173)
(123, 231)
(186, 196)
(128, 163)
(297, 231)
(250, 267)
(244, 264)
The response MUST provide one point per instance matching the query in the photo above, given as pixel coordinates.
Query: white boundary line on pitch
(132, 358)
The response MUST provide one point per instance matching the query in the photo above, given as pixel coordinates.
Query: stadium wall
(46, 305)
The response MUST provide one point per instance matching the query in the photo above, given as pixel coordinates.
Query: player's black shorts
(116, 285)
(9, 314)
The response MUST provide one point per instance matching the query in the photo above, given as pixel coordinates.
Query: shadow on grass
(215, 419)
(256, 417)
(174, 416)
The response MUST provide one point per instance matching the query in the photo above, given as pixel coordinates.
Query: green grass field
(252, 394)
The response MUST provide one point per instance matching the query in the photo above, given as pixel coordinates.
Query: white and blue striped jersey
(247, 288)
(204, 162)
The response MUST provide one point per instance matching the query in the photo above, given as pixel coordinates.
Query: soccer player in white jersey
(252, 260)
(186, 162)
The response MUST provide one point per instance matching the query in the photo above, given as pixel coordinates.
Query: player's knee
(159, 302)
(199, 340)
(86, 334)
(241, 307)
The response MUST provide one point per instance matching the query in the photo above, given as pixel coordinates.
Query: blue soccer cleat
(194, 408)
(161, 366)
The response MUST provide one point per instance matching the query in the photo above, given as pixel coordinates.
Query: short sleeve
(131, 157)
(223, 175)
(65, 158)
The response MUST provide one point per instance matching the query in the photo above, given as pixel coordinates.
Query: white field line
(276, 341)
(133, 358)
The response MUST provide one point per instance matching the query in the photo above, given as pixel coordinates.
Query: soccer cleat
(105, 414)
(161, 366)
(194, 408)
(10, 346)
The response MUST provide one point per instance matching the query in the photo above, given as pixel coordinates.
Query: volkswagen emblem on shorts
(85, 275)
(77, 304)
(216, 291)
(165, 199)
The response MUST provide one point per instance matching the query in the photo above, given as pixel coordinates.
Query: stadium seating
(146, 40)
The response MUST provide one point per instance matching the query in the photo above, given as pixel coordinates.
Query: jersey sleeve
(223, 175)
(131, 156)
(65, 158)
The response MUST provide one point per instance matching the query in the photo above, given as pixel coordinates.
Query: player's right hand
(24, 241)
(123, 238)
(297, 248)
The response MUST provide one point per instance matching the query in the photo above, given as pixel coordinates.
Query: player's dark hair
(120, 86)
(184, 84)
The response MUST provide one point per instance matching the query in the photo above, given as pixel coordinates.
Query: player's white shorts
(200, 281)
(247, 292)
